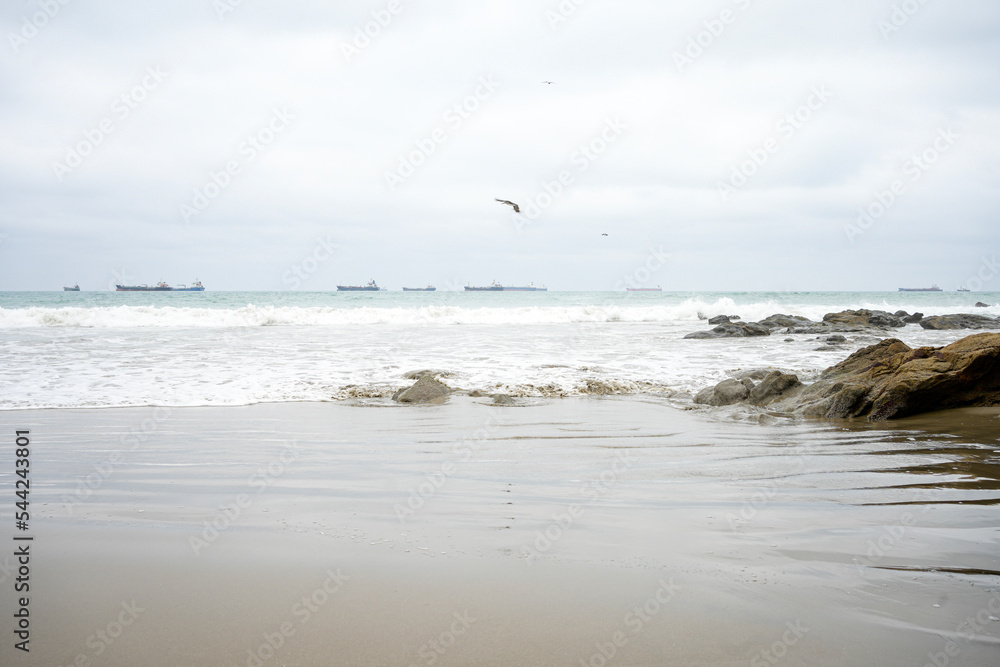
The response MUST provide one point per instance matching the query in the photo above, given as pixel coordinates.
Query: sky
(721, 145)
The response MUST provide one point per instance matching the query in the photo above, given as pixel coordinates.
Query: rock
(871, 318)
(901, 314)
(778, 321)
(753, 374)
(722, 319)
(733, 330)
(424, 390)
(835, 340)
(914, 318)
(776, 385)
(726, 392)
(890, 380)
(504, 399)
(980, 304)
(939, 322)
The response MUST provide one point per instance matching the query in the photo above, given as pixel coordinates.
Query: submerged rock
(733, 330)
(939, 322)
(980, 304)
(870, 318)
(778, 321)
(424, 390)
(726, 392)
(890, 380)
(776, 385)
(504, 399)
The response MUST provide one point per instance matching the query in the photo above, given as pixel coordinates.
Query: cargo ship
(932, 288)
(74, 288)
(644, 289)
(429, 288)
(370, 287)
(495, 287)
(161, 287)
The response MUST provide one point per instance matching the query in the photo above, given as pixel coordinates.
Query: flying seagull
(549, 82)
(517, 209)
(603, 234)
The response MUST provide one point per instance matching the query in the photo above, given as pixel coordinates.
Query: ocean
(248, 494)
(111, 349)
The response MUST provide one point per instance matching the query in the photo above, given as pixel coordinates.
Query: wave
(250, 315)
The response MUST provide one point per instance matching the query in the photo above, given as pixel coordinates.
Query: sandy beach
(578, 531)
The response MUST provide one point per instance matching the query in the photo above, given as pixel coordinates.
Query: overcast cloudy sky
(264, 145)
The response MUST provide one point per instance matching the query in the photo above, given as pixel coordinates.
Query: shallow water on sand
(703, 537)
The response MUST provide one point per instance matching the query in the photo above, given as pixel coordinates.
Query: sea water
(104, 349)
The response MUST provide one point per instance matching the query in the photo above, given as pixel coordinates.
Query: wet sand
(618, 531)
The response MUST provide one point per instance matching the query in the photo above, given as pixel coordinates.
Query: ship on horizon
(497, 287)
(932, 288)
(74, 288)
(161, 286)
(644, 289)
(429, 288)
(370, 287)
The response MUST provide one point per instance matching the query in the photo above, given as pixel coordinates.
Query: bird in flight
(517, 209)
(549, 82)
(603, 234)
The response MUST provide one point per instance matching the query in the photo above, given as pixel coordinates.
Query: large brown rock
(891, 380)
(425, 390)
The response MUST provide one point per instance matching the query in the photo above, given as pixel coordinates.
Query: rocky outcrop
(914, 318)
(865, 318)
(722, 319)
(780, 321)
(726, 392)
(774, 386)
(980, 304)
(939, 322)
(733, 330)
(425, 390)
(891, 380)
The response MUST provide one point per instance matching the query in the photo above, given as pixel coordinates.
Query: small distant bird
(549, 82)
(603, 234)
(517, 209)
